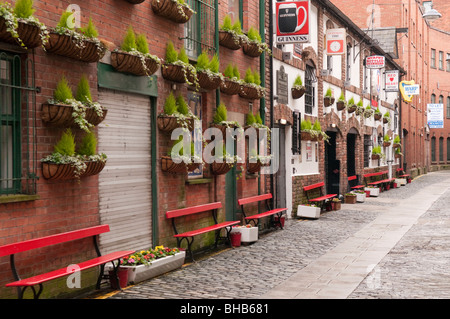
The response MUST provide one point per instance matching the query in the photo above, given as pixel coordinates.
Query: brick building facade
(131, 193)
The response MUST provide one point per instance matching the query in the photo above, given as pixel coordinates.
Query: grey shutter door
(125, 183)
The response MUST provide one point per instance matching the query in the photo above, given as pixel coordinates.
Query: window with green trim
(199, 31)
(17, 129)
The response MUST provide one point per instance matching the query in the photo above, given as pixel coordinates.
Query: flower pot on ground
(81, 45)
(308, 211)
(19, 26)
(298, 89)
(335, 204)
(373, 191)
(230, 34)
(248, 233)
(235, 238)
(122, 274)
(133, 56)
(175, 10)
(146, 264)
(360, 196)
(350, 198)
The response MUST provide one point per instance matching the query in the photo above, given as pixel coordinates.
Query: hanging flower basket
(167, 123)
(168, 165)
(340, 105)
(229, 40)
(61, 115)
(327, 101)
(135, 1)
(375, 156)
(29, 34)
(177, 73)
(223, 127)
(396, 155)
(377, 116)
(252, 49)
(396, 145)
(134, 64)
(172, 10)
(220, 168)
(385, 120)
(298, 92)
(82, 49)
(351, 108)
(253, 168)
(208, 81)
(53, 171)
(251, 92)
(230, 87)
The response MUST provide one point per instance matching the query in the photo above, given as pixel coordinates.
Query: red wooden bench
(401, 174)
(322, 198)
(189, 235)
(352, 180)
(269, 211)
(381, 179)
(18, 247)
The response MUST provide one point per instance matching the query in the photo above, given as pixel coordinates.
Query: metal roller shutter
(125, 183)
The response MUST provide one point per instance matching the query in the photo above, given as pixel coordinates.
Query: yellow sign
(406, 97)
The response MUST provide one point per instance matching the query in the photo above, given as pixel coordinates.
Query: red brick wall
(64, 206)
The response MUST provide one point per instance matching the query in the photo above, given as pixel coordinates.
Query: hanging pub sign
(391, 81)
(408, 89)
(375, 62)
(292, 21)
(335, 41)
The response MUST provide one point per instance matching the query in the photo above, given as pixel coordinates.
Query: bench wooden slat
(253, 199)
(321, 198)
(268, 213)
(207, 229)
(193, 210)
(309, 187)
(64, 271)
(52, 240)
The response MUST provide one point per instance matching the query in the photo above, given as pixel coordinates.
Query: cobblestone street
(416, 266)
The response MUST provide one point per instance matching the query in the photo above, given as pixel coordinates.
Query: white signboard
(335, 41)
(412, 89)
(435, 115)
(391, 81)
(375, 62)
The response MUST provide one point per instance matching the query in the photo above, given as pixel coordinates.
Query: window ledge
(199, 181)
(17, 198)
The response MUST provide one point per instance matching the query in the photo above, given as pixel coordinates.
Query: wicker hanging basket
(220, 168)
(64, 45)
(207, 82)
(167, 123)
(29, 34)
(250, 92)
(298, 92)
(230, 87)
(129, 63)
(351, 108)
(340, 105)
(253, 168)
(172, 10)
(328, 101)
(229, 40)
(251, 49)
(60, 115)
(52, 171)
(176, 73)
(377, 116)
(169, 166)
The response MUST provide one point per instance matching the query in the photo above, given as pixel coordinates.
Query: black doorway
(332, 165)
(351, 144)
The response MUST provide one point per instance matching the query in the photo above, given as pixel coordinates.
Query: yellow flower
(159, 248)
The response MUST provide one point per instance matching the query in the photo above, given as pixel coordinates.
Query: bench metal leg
(189, 244)
(20, 291)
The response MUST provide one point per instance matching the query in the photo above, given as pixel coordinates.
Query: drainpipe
(262, 70)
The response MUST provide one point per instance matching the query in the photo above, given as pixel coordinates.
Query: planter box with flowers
(360, 196)
(230, 35)
(146, 264)
(19, 26)
(231, 83)
(308, 211)
(335, 204)
(298, 89)
(249, 234)
(252, 44)
(176, 115)
(176, 66)
(373, 191)
(350, 198)
(81, 44)
(175, 10)
(251, 86)
(208, 74)
(133, 56)
(66, 163)
(66, 111)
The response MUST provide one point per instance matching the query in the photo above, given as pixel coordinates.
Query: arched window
(433, 149)
(433, 98)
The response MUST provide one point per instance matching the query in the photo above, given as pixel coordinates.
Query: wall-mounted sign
(408, 89)
(292, 21)
(391, 81)
(435, 115)
(375, 62)
(335, 41)
(282, 86)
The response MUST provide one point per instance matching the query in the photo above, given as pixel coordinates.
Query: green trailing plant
(314, 129)
(83, 91)
(63, 92)
(368, 111)
(88, 145)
